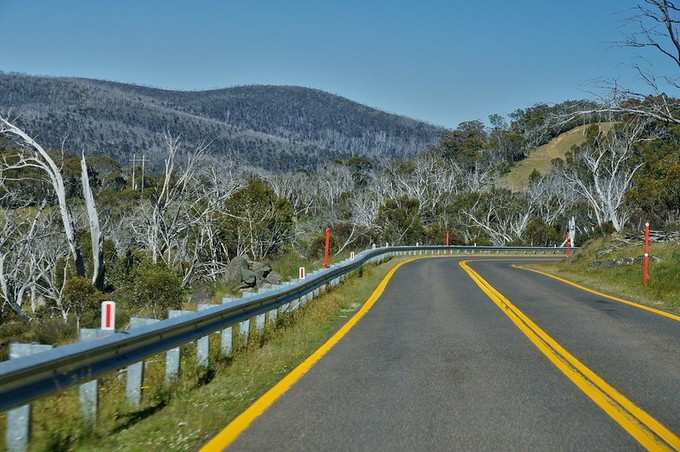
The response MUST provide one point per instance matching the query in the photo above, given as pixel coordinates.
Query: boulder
(261, 270)
(273, 278)
(247, 274)
(248, 278)
(232, 275)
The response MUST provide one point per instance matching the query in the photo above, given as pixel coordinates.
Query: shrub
(82, 300)
(155, 288)
(538, 233)
(399, 221)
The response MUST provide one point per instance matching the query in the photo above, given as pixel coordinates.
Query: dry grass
(586, 268)
(540, 158)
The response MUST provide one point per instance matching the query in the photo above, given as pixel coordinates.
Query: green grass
(592, 267)
(202, 402)
(540, 158)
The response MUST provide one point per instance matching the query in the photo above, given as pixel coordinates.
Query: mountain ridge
(277, 127)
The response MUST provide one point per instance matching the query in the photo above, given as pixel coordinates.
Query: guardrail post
(19, 419)
(271, 315)
(244, 331)
(135, 372)
(226, 335)
(260, 320)
(88, 395)
(304, 299)
(287, 308)
(172, 357)
(294, 305)
(203, 344)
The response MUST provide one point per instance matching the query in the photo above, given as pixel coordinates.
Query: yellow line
(237, 426)
(604, 295)
(242, 421)
(649, 432)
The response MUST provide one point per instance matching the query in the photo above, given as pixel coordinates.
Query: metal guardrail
(31, 377)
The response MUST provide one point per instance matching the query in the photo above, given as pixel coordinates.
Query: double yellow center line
(649, 432)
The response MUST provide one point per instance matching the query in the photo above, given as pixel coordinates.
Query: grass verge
(614, 267)
(201, 403)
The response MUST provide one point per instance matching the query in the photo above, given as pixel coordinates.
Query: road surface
(436, 365)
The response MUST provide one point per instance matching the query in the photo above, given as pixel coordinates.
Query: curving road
(436, 365)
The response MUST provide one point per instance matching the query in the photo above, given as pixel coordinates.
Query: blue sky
(440, 61)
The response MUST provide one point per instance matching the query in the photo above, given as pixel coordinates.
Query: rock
(622, 261)
(248, 278)
(233, 272)
(261, 271)
(273, 278)
(249, 274)
(261, 268)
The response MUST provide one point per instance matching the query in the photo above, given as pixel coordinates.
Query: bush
(399, 221)
(82, 300)
(538, 233)
(154, 289)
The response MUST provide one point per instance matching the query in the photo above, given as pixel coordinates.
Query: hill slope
(540, 158)
(275, 127)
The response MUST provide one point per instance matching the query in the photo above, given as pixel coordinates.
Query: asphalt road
(435, 365)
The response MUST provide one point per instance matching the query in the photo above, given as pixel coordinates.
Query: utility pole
(143, 161)
(134, 186)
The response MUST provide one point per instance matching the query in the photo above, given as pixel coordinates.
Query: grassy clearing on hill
(186, 415)
(607, 265)
(540, 158)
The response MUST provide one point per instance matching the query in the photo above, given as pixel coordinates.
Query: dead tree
(19, 237)
(33, 155)
(95, 231)
(604, 172)
(656, 23)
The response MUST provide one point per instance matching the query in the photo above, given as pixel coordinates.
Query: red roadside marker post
(108, 321)
(645, 256)
(301, 273)
(327, 248)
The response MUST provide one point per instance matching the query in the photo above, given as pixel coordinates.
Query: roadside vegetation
(185, 415)
(613, 265)
(78, 230)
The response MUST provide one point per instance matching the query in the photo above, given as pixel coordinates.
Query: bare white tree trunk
(40, 159)
(95, 231)
(608, 174)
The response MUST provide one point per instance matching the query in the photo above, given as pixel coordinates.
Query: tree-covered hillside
(275, 127)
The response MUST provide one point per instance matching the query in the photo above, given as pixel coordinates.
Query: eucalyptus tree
(603, 171)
